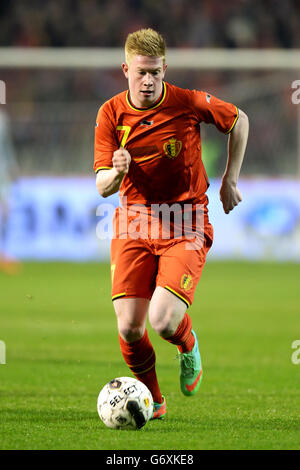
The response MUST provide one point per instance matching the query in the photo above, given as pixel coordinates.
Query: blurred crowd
(183, 23)
(52, 111)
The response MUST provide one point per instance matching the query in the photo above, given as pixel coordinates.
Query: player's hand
(121, 160)
(229, 195)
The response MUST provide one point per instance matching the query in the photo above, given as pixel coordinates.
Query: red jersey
(164, 143)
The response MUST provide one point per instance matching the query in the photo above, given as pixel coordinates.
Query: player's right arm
(108, 181)
(111, 162)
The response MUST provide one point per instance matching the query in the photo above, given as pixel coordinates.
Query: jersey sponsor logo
(186, 282)
(208, 97)
(172, 148)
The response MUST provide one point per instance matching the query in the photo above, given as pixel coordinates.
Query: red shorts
(139, 265)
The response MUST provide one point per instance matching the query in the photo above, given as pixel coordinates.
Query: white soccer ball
(125, 403)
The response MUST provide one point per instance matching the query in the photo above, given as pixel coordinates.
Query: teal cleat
(159, 410)
(190, 370)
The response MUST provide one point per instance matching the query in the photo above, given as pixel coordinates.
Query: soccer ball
(125, 403)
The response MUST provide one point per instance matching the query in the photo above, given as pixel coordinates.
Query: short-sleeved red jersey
(164, 143)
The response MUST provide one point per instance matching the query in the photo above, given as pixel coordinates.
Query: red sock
(140, 358)
(183, 336)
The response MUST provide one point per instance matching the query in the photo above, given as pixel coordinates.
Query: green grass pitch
(58, 324)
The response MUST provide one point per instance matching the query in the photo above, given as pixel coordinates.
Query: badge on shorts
(186, 282)
(172, 148)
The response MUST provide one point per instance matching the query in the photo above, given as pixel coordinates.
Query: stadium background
(48, 120)
(52, 112)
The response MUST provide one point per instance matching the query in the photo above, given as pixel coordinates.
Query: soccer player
(148, 147)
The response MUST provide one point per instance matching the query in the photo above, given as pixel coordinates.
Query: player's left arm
(237, 142)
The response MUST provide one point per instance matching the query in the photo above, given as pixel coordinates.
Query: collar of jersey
(155, 105)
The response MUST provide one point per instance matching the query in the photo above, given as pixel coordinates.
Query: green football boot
(190, 370)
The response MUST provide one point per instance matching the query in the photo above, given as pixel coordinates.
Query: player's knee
(131, 333)
(164, 330)
(162, 324)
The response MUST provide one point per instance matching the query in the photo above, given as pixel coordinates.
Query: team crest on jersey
(186, 282)
(172, 148)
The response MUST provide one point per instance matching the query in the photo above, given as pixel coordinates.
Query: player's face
(145, 75)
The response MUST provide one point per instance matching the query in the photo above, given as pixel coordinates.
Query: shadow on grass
(74, 419)
(71, 416)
